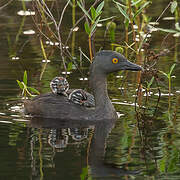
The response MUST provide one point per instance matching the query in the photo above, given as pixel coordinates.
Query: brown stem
(90, 48)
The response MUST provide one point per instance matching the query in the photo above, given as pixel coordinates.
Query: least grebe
(60, 86)
(52, 106)
(81, 97)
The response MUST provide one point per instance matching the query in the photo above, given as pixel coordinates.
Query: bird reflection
(59, 138)
(64, 132)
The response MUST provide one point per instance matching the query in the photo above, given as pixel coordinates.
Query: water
(139, 145)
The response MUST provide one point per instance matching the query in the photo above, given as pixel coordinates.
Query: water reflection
(44, 149)
(69, 132)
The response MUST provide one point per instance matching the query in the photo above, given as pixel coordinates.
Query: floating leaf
(100, 7)
(20, 84)
(34, 90)
(173, 6)
(141, 8)
(87, 28)
(25, 78)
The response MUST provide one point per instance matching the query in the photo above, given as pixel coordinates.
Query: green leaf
(171, 69)
(167, 30)
(25, 78)
(20, 84)
(162, 164)
(122, 5)
(105, 19)
(126, 22)
(173, 6)
(87, 28)
(84, 173)
(135, 3)
(123, 12)
(24, 85)
(70, 64)
(95, 25)
(34, 90)
(85, 12)
(150, 83)
(93, 13)
(141, 8)
(100, 7)
(164, 74)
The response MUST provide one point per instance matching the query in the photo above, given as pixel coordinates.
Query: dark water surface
(144, 145)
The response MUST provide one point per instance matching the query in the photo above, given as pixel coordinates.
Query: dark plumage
(54, 106)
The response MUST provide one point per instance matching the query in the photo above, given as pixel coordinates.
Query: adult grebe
(53, 106)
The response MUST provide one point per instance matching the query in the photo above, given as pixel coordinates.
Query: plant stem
(73, 24)
(169, 100)
(43, 50)
(90, 48)
(169, 86)
(131, 22)
(45, 57)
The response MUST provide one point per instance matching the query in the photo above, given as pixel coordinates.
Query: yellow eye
(115, 60)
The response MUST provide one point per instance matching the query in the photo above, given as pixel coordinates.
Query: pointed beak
(131, 66)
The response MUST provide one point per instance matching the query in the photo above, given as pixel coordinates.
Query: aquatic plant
(92, 21)
(132, 11)
(169, 76)
(26, 90)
